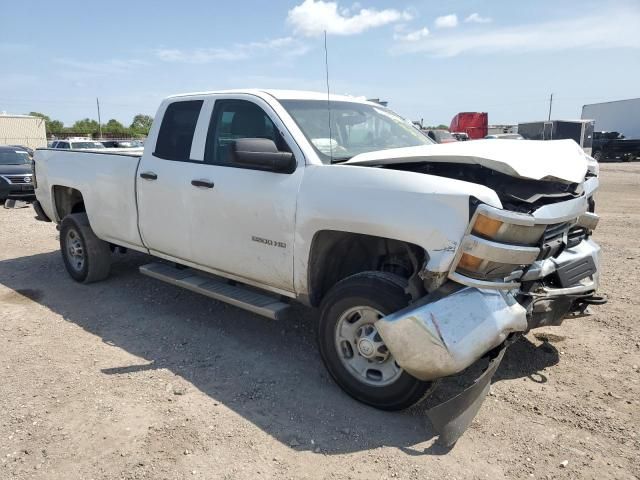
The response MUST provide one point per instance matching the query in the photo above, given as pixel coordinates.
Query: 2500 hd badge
(266, 241)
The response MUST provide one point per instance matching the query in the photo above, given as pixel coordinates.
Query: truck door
(245, 223)
(164, 181)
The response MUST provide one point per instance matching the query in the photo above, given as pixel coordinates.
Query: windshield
(12, 157)
(81, 145)
(355, 128)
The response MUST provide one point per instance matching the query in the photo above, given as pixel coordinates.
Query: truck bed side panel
(107, 182)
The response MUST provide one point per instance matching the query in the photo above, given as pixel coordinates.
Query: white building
(22, 130)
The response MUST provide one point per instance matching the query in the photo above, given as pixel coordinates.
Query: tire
(598, 156)
(86, 257)
(356, 299)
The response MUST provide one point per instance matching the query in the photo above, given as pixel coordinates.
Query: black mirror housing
(262, 154)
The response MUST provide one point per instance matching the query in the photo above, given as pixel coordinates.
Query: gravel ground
(132, 379)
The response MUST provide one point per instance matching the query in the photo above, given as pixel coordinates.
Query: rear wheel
(86, 257)
(352, 348)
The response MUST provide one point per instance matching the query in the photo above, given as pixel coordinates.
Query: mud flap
(450, 419)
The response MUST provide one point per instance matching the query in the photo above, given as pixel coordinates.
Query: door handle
(149, 176)
(202, 183)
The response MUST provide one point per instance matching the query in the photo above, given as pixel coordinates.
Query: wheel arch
(67, 200)
(335, 255)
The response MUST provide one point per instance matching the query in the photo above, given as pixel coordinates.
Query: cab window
(177, 129)
(233, 119)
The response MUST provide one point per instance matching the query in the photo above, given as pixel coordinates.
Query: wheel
(86, 257)
(597, 156)
(352, 349)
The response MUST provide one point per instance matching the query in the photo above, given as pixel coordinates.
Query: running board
(218, 288)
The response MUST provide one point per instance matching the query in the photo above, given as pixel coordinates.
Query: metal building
(22, 130)
(621, 116)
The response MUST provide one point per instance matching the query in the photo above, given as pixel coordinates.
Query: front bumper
(435, 338)
(18, 191)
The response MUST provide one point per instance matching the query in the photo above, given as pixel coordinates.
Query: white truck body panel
(563, 160)
(108, 186)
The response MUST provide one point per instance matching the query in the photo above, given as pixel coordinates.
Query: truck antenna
(326, 69)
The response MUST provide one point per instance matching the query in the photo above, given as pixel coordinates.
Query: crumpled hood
(561, 160)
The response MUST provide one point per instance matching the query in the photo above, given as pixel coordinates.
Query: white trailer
(24, 130)
(619, 116)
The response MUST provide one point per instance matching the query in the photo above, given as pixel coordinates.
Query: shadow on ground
(268, 372)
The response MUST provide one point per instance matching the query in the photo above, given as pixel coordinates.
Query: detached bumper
(443, 337)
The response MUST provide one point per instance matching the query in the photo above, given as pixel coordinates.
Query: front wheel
(352, 349)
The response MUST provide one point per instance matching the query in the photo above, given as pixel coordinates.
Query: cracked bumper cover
(431, 340)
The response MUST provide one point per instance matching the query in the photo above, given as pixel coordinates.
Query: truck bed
(107, 182)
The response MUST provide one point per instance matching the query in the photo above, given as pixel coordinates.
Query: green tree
(113, 126)
(51, 126)
(86, 126)
(141, 124)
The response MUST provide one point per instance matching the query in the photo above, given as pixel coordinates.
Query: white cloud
(447, 21)
(412, 36)
(285, 46)
(477, 18)
(617, 29)
(312, 17)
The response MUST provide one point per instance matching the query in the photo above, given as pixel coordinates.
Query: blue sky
(429, 59)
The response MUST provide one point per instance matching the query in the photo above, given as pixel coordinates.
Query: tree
(114, 127)
(86, 126)
(51, 126)
(141, 124)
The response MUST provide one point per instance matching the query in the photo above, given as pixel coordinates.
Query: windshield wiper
(340, 159)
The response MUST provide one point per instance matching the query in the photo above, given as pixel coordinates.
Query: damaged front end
(512, 271)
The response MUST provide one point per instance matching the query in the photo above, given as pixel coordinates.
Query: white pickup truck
(422, 258)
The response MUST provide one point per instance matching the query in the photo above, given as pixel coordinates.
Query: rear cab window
(177, 130)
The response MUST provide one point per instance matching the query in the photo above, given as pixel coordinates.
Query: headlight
(497, 247)
(500, 231)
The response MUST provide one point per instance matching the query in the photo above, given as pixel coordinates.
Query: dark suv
(16, 176)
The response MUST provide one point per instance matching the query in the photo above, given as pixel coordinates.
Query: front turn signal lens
(486, 226)
(469, 263)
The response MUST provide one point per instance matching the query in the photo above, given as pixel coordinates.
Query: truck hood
(22, 169)
(559, 160)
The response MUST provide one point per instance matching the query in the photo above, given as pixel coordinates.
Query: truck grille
(18, 178)
(552, 242)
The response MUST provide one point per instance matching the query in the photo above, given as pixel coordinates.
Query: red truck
(474, 124)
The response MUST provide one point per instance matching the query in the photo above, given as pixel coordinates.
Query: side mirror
(262, 154)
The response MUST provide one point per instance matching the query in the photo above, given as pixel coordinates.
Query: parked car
(441, 136)
(508, 136)
(77, 144)
(16, 176)
(422, 258)
(460, 136)
(24, 149)
(613, 145)
(120, 144)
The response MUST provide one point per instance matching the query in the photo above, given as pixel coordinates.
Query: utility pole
(550, 103)
(99, 121)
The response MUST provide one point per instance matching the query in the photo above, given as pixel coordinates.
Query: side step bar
(218, 288)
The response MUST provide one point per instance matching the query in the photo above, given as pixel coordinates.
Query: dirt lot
(131, 378)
